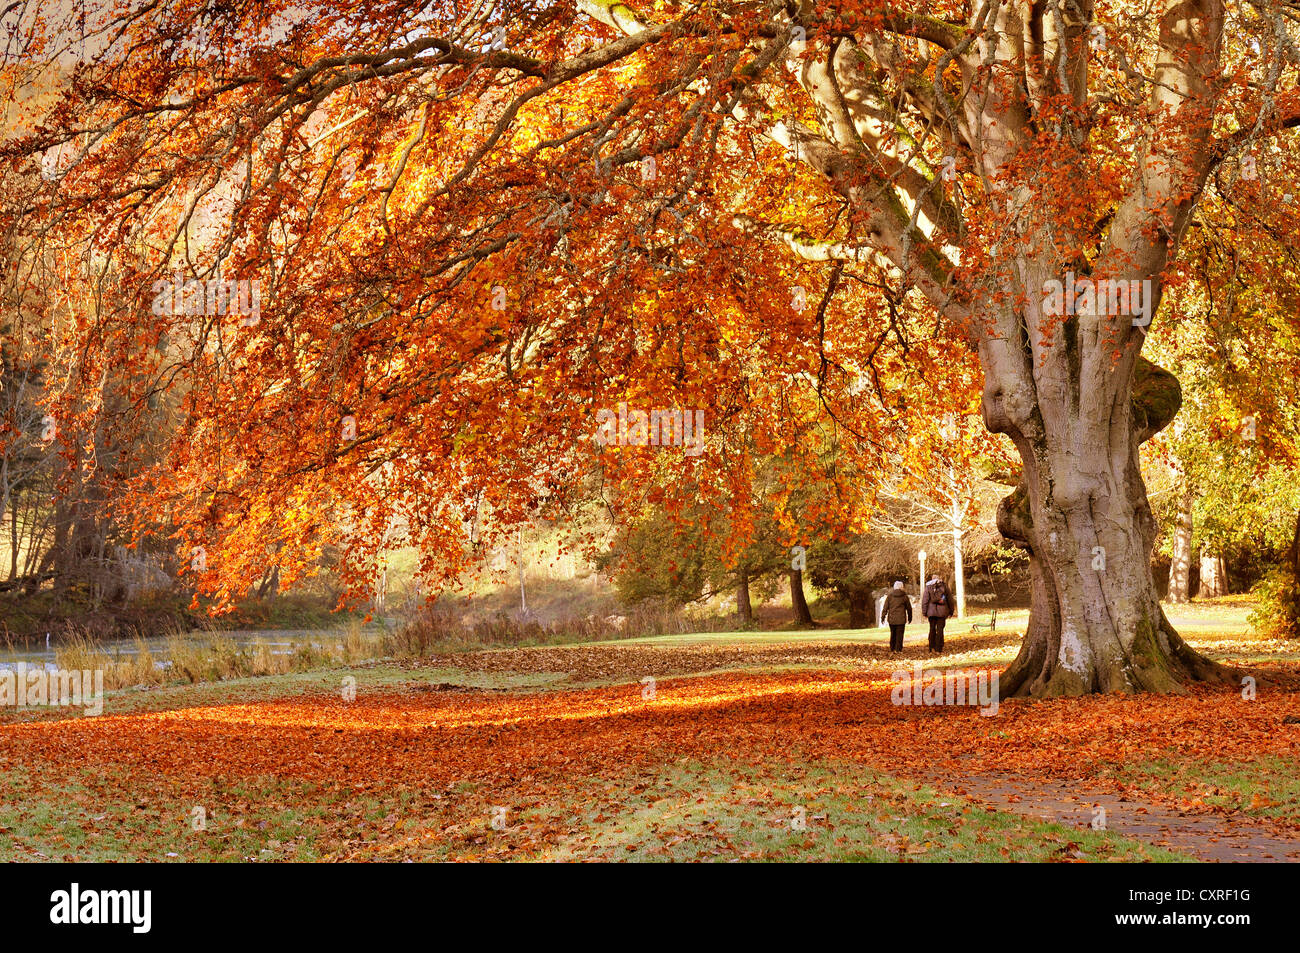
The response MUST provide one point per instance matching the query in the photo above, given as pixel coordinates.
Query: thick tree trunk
(801, 612)
(1214, 582)
(1081, 511)
(743, 605)
(1294, 558)
(1180, 569)
(860, 615)
(1295, 548)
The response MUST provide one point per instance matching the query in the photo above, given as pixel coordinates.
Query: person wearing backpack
(897, 612)
(936, 605)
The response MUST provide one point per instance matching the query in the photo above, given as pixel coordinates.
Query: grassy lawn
(1009, 621)
(827, 812)
(112, 817)
(759, 746)
(681, 810)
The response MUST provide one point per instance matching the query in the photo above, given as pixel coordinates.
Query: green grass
(1008, 622)
(105, 819)
(772, 811)
(827, 812)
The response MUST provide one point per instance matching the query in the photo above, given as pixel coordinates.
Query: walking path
(1223, 838)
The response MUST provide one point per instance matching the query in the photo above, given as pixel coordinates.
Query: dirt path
(1207, 837)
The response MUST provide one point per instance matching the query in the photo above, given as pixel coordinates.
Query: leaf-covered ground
(745, 749)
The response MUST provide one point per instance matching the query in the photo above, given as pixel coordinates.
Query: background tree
(1233, 336)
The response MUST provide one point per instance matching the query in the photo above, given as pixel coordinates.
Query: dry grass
(83, 653)
(214, 658)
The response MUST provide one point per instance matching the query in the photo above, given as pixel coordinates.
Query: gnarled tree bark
(1081, 513)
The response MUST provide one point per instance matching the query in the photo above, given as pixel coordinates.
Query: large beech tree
(475, 221)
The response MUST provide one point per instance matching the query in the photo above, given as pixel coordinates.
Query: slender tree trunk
(802, 613)
(958, 571)
(13, 539)
(1180, 569)
(743, 605)
(1082, 514)
(4, 499)
(523, 595)
(270, 585)
(957, 516)
(77, 526)
(61, 554)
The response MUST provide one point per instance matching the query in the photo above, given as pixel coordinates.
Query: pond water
(277, 641)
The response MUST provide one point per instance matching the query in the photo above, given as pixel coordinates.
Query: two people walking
(936, 605)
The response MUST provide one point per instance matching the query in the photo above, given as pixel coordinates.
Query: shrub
(1277, 611)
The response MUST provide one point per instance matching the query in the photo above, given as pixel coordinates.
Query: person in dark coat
(936, 605)
(897, 612)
